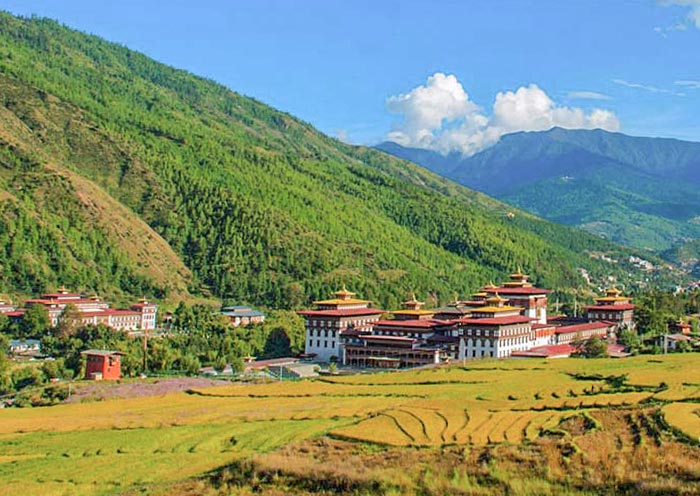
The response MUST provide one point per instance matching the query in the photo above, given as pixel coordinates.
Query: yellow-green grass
(685, 417)
(102, 461)
(108, 446)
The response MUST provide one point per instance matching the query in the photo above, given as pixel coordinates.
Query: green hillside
(127, 176)
(639, 192)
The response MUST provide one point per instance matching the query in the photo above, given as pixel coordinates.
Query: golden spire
(344, 294)
(412, 303)
(613, 291)
(496, 300)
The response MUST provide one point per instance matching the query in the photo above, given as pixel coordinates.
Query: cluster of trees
(259, 206)
(655, 312)
(198, 337)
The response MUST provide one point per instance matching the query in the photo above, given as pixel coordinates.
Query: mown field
(145, 444)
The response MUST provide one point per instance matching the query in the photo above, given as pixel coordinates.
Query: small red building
(103, 365)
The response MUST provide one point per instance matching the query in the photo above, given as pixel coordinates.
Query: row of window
(513, 331)
(318, 343)
(337, 323)
(399, 333)
(322, 333)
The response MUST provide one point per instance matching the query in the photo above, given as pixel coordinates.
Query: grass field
(112, 446)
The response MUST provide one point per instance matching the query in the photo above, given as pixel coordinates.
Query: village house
(92, 310)
(6, 307)
(613, 307)
(102, 365)
(240, 315)
(25, 347)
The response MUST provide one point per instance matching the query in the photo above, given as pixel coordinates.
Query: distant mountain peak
(649, 184)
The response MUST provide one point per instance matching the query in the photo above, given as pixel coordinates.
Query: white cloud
(427, 108)
(694, 85)
(691, 19)
(586, 95)
(440, 116)
(640, 86)
(648, 87)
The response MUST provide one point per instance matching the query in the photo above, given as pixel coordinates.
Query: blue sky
(337, 64)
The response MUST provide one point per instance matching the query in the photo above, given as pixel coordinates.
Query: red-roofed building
(326, 325)
(390, 352)
(613, 307)
(103, 365)
(680, 327)
(521, 293)
(549, 351)
(494, 337)
(582, 332)
(95, 311)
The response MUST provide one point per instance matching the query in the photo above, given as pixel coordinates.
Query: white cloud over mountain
(440, 116)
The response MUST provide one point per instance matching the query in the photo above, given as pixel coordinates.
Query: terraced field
(116, 445)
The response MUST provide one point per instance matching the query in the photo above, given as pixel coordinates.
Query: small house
(242, 316)
(103, 365)
(25, 346)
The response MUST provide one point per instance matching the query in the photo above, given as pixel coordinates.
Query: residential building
(613, 307)
(92, 310)
(240, 315)
(102, 365)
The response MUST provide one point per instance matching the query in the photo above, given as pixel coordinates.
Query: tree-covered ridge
(259, 206)
(640, 192)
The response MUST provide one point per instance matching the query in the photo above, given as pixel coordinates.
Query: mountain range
(640, 192)
(124, 176)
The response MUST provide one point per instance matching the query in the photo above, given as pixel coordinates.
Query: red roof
(513, 319)
(541, 326)
(518, 291)
(16, 313)
(608, 308)
(414, 323)
(111, 311)
(588, 326)
(350, 312)
(546, 351)
(616, 348)
(399, 339)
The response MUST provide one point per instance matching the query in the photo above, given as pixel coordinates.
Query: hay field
(115, 445)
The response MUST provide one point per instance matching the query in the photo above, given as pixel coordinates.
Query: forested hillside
(640, 192)
(127, 176)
